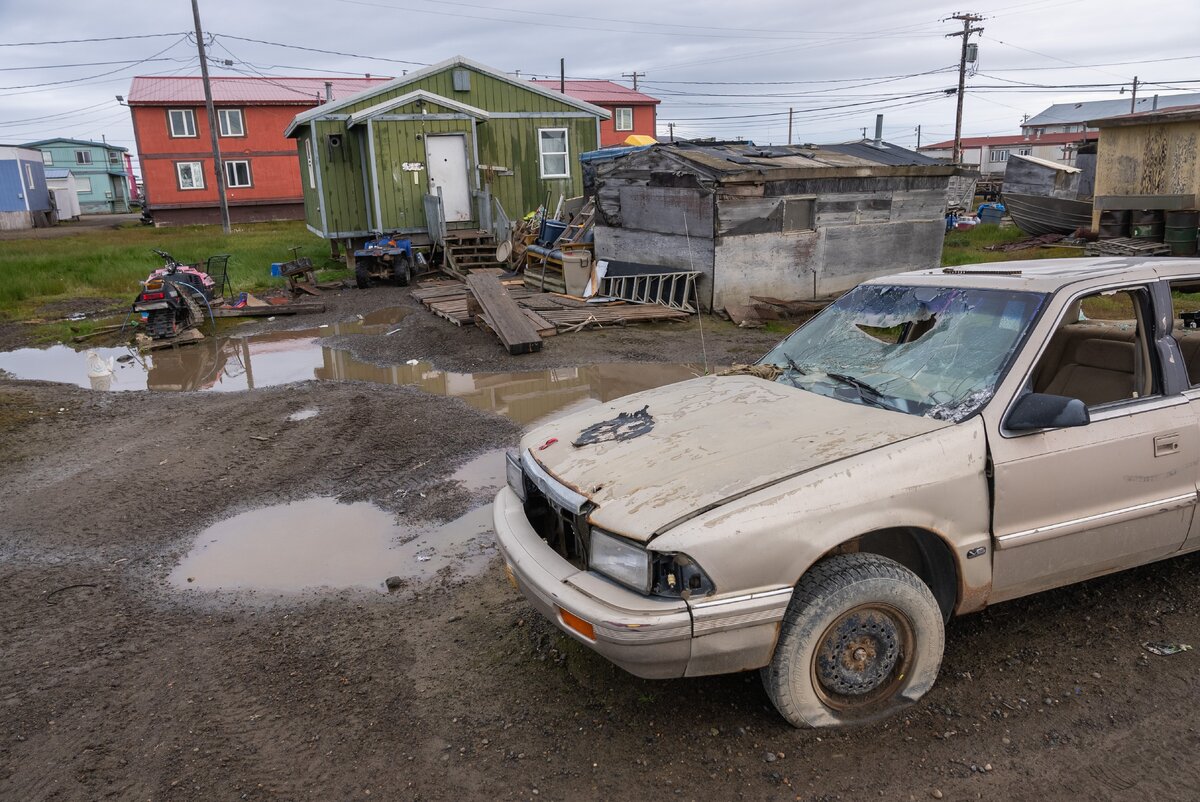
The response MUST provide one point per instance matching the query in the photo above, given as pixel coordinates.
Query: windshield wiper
(866, 391)
(792, 364)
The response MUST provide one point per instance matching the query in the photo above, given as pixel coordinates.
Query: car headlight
(650, 572)
(515, 474)
(620, 560)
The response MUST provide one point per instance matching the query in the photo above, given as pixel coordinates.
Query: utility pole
(212, 122)
(634, 75)
(1133, 100)
(918, 137)
(791, 113)
(967, 20)
(671, 128)
(562, 75)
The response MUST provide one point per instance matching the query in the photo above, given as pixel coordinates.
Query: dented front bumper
(648, 636)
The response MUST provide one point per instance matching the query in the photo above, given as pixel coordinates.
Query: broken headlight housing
(650, 572)
(515, 474)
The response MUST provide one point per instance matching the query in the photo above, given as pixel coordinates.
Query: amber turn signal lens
(578, 624)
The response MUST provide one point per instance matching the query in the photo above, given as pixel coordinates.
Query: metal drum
(1147, 224)
(1114, 223)
(1181, 232)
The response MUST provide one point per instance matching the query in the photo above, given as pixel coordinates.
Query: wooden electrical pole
(1133, 100)
(967, 20)
(791, 113)
(634, 75)
(218, 167)
(918, 137)
(671, 128)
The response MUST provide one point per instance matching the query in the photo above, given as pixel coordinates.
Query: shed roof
(1015, 139)
(734, 158)
(417, 75)
(599, 92)
(1179, 114)
(1063, 168)
(57, 172)
(1061, 113)
(154, 90)
(43, 143)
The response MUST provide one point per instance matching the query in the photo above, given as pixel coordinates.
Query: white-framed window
(231, 122)
(237, 174)
(114, 157)
(998, 155)
(28, 176)
(1024, 151)
(312, 173)
(181, 122)
(190, 175)
(83, 157)
(47, 157)
(83, 184)
(623, 118)
(553, 153)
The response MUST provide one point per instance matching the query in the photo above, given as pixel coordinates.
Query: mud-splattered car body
(947, 431)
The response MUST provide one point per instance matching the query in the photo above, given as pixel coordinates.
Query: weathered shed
(794, 222)
(460, 131)
(1029, 175)
(1148, 160)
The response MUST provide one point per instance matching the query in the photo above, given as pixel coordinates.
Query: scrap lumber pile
(1126, 246)
(761, 309)
(557, 255)
(547, 313)
(1025, 244)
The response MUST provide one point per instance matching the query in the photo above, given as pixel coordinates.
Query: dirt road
(117, 684)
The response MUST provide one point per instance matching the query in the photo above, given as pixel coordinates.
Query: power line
(96, 39)
(100, 75)
(318, 50)
(81, 64)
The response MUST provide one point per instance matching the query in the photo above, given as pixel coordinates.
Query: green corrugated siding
(312, 207)
(509, 143)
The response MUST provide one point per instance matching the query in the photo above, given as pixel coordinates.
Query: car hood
(714, 439)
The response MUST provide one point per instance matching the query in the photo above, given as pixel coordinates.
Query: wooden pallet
(503, 316)
(1126, 246)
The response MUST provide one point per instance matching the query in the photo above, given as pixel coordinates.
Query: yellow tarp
(640, 139)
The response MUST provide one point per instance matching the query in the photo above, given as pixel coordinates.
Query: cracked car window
(934, 351)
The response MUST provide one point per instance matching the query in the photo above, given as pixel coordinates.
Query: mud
(116, 684)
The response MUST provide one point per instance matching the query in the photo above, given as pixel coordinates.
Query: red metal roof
(283, 90)
(1015, 139)
(600, 93)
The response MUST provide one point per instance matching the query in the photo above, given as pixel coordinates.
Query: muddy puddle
(226, 364)
(319, 543)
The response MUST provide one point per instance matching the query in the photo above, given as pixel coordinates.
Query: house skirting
(14, 221)
(205, 215)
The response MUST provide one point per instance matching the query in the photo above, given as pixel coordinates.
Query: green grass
(967, 247)
(109, 263)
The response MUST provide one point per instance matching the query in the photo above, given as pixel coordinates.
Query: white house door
(446, 156)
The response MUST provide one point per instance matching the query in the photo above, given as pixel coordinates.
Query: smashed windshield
(933, 351)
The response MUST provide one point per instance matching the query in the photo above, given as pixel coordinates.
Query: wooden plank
(304, 308)
(515, 330)
(544, 327)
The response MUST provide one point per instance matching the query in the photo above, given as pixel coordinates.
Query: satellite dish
(503, 251)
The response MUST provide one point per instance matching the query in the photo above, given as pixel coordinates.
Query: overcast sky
(721, 68)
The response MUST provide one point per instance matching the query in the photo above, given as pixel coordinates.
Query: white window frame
(620, 112)
(83, 185)
(312, 173)
(28, 175)
(197, 169)
(998, 155)
(114, 157)
(231, 174)
(47, 157)
(1024, 151)
(565, 152)
(224, 116)
(86, 154)
(187, 117)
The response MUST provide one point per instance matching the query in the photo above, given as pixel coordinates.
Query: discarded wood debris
(299, 308)
(503, 315)
(1023, 244)
(1126, 246)
(449, 300)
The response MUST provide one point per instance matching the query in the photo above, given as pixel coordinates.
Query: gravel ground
(125, 688)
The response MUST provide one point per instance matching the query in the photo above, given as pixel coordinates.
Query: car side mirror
(1043, 411)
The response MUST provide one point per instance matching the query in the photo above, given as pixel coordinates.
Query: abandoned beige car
(931, 443)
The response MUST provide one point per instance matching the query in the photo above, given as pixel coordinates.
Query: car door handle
(1166, 444)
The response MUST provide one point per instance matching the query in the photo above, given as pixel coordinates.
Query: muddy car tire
(861, 639)
(362, 275)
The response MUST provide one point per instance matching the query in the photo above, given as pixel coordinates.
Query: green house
(454, 146)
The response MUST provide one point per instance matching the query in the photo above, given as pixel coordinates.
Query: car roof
(1047, 275)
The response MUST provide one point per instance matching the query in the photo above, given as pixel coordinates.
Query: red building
(262, 170)
(632, 112)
